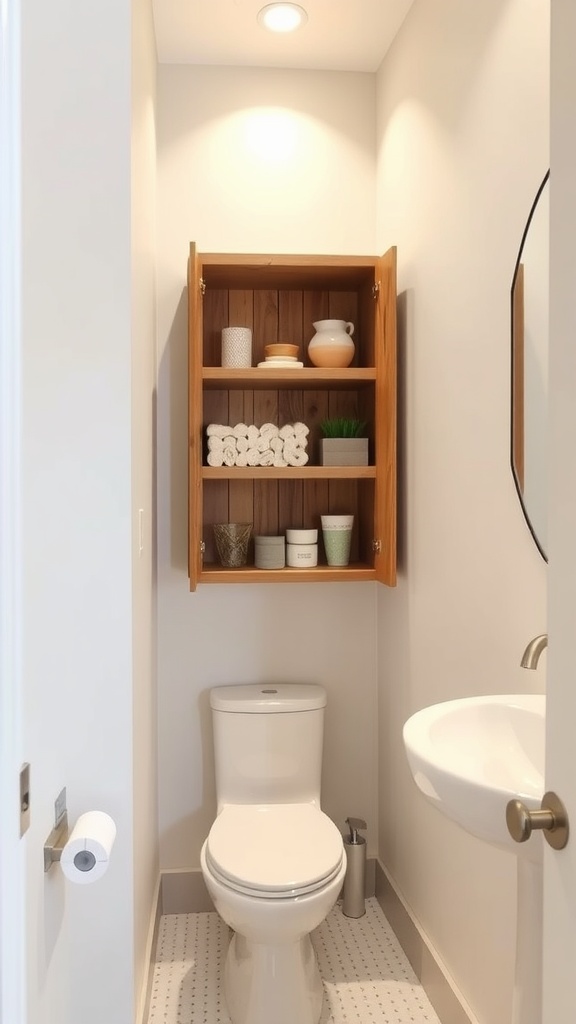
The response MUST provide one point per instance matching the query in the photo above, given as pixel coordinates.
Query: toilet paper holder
(56, 841)
(83, 851)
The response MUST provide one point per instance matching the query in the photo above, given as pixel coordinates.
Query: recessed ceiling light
(282, 17)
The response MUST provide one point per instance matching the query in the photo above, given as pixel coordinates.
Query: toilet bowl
(273, 861)
(274, 872)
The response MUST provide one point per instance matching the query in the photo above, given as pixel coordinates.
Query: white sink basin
(469, 757)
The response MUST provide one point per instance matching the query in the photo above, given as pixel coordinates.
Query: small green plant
(342, 426)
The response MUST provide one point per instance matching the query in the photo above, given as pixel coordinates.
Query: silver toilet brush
(353, 904)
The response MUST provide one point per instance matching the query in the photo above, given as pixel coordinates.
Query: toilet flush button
(268, 691)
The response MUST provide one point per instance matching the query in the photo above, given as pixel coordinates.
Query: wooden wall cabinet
(280, 297)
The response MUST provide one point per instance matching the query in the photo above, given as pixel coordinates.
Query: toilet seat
(274, 851)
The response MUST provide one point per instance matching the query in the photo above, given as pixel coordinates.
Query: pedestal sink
(470, 757)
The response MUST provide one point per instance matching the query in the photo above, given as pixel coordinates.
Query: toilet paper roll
(86, 855)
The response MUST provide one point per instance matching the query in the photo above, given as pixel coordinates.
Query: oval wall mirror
(529, 406)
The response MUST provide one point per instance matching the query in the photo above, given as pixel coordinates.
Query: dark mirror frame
(517, 372)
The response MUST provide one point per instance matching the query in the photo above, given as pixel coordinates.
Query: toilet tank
(268, 742)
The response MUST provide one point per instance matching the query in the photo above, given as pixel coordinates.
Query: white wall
(463, 146)
(254, 160)
(82, 300)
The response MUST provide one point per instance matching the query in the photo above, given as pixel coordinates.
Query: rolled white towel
(242, 459)
(240, 430)
(253, 457)
(301, 430)
(242, 444)
(287, 432)
(296, 456)
(267, 458)
(229, 441)
(269, 430)
(215, 443)
(276, 444)
(292, 444)
(230, 454)
(263, 444)
(216, 458)
(279, 460)
(253, 435)
(296, 442)
(217, 430)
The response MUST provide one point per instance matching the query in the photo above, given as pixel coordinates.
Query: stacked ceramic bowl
(281, 355)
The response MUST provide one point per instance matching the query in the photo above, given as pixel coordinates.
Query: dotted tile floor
(366, 976)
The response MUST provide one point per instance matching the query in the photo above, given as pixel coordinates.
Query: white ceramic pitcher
(332, 344)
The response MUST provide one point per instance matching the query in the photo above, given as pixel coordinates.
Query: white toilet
(273, 862)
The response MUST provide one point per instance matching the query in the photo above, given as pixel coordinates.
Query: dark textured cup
(232, 541)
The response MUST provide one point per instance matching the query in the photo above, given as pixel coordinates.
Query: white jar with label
(302, 548)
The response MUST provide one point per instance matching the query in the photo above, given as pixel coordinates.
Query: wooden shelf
(306, 472)
(319, 574)
(273, 271)
(306, 377)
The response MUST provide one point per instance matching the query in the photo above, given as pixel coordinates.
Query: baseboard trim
(185, 892)
(447, 1001)
(151, 947)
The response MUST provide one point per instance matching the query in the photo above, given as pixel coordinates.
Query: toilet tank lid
(268, 698)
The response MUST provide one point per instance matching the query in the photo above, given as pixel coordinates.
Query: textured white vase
(236, 346)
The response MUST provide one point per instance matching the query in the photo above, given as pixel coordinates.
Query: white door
(66, 951)
(12, 865)
(559, 1005)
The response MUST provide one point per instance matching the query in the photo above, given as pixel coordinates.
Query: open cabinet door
(385, 420)
(194, 418)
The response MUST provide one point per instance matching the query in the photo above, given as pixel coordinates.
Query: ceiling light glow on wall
(282, 17)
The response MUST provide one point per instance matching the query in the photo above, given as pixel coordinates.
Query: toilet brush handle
(354, 824)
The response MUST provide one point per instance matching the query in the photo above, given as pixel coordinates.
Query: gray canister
(353, 904)
(270, 552)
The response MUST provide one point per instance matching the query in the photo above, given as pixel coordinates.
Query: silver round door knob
(551, 818)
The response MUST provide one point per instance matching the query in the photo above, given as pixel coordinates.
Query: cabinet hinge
(202, 548)
(202, 286)
(375, 289)
(377, 547)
